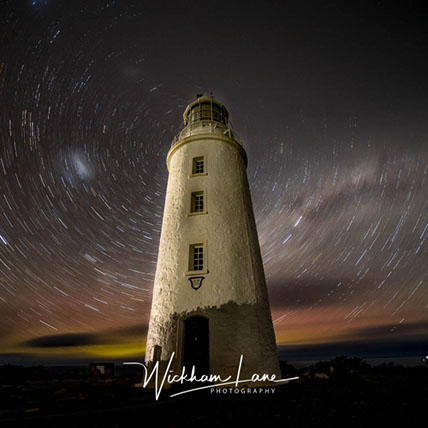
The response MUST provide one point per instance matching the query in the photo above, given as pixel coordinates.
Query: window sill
(198, 213)
(195, 272)
(200, 174)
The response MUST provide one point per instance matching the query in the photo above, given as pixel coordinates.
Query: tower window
(196, 258)
(197, 202)
(198, 165)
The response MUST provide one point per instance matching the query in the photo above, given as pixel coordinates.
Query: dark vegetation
(337, 393)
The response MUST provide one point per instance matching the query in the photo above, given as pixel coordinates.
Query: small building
(105, 370)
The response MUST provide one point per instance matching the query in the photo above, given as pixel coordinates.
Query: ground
(342, 392)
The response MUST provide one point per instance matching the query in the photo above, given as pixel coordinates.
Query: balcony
(206, 127)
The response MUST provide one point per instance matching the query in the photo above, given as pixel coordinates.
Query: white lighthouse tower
(210, 302)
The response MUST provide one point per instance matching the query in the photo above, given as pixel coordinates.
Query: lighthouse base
(220, 341)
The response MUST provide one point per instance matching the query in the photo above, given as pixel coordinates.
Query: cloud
(378, 341)
(62, 340)
(414, 346)
(391, 330)
(83, 339)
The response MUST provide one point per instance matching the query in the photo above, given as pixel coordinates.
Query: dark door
(197, 345)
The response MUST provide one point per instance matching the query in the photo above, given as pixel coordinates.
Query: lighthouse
(210, 304)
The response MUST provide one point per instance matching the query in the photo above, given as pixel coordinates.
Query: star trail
(331, 103)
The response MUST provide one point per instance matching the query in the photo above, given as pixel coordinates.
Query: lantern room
(205, 108)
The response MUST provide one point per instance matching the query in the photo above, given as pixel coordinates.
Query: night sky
(331, 102)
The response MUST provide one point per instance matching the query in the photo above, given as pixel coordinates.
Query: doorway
(196, 345)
